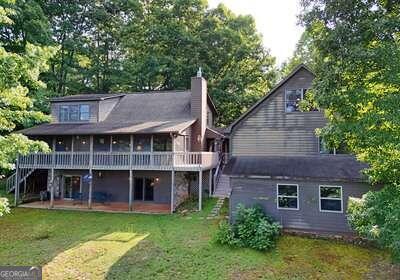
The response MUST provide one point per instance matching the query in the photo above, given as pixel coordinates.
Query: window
(162, 143)
(294, 97)
(288, 197)
(121, 143)
(330, 199)
(64, 111)
(323, 149)
(74, 113)
(142, 143)
(84, 112)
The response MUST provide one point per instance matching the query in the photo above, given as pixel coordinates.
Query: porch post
(200, 188)
(52, 188)
(210, 182)
(130, 189)
(90, 172)
(16, 187)
(172, 190)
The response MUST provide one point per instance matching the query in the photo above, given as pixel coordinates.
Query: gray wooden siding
(250, 191)
(55, 110)
(269, 130)
(106, 106)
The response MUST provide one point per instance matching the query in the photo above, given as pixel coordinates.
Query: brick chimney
(199, 111)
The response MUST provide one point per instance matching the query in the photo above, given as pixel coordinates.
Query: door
(72, 186)
(138, 189)
(143, 189)
(149, 190)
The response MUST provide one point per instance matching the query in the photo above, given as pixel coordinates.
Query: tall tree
(167, 40)
(18, 73)
(358, 83)
(304, 53)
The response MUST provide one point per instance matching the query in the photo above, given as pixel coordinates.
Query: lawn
(82, 245)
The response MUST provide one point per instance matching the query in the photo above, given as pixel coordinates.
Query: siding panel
(249, 191)
(269, 130)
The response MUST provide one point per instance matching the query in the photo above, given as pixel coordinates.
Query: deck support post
(90, 172)
(130, 189)
(16, 187)
(200, 189)
(52, 188)
(210, 183)
(172, 190)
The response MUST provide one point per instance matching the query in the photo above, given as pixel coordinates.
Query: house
(144, 152)
(278, 162)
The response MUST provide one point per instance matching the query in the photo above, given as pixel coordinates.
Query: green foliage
(252, 229)
(377, 216)
(357, 61)
(19, 72)
(132, 46)
(4, 206)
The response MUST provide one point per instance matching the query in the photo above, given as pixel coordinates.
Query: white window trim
(277, 197)
(341, 198)
(302, 98)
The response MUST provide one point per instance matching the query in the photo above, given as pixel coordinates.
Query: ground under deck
(138, 206)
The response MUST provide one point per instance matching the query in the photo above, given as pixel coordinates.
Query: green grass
(82, 245)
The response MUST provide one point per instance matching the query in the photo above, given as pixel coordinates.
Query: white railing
(23, 174)
(121, 160)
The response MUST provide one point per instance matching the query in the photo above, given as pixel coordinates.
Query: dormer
(83, 108)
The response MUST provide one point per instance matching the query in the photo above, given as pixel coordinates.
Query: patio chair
(100, 197)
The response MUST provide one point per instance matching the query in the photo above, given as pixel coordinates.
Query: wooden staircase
(23, 175)
(223, 188)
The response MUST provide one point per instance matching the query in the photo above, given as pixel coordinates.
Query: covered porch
(120, 190)
(118, 207)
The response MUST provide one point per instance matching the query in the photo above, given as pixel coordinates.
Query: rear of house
(278, 162)
(145, 152)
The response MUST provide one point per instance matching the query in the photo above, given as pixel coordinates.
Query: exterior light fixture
(157, 179)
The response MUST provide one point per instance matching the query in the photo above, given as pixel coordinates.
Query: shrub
(252, 229)
(377, 216)
(4, 206)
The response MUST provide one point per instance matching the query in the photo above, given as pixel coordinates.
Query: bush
(377, 216)
(252, 229)
(4, 206)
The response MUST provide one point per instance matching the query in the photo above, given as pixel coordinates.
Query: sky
(275, 19)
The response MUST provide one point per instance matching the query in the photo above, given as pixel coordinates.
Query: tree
(357, 45)
(167, 40)
(18, 72)
(303, 53)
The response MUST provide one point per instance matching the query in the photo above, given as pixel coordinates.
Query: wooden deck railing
(121, 160)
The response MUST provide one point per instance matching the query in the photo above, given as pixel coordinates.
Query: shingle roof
(138, 127)
(323, 167)
(152, 106)
(156, 112)
(87, 97)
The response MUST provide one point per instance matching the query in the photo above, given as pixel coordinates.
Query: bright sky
(276, 20)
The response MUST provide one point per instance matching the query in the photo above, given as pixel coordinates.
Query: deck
(164, 161)
(117, 207)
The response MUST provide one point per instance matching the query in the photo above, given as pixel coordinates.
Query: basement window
(287, 196)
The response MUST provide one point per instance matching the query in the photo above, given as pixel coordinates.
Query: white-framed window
(84, 112)
(330, 199)
(287, 196)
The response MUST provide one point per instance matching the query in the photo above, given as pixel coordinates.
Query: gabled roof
(252, 108)
(343, 168)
